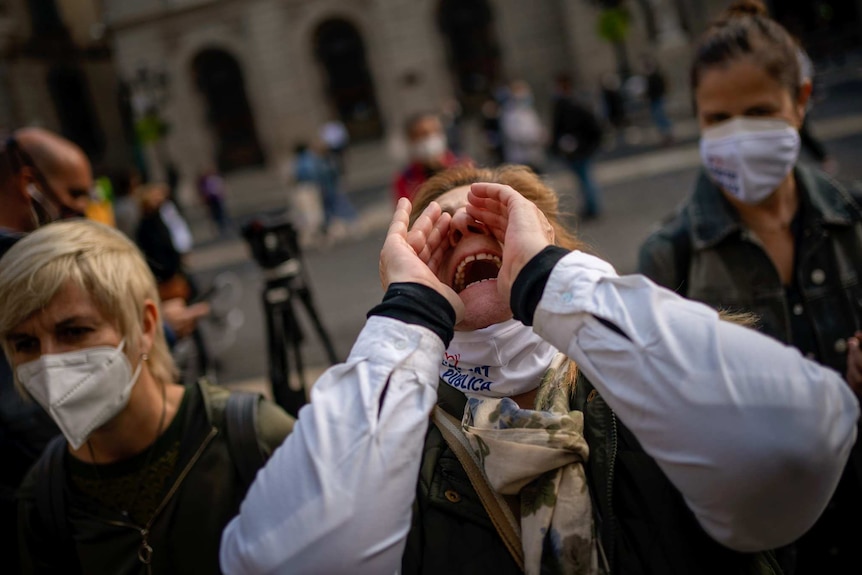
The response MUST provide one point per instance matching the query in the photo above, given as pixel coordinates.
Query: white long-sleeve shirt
(754, 435)
(336, 496)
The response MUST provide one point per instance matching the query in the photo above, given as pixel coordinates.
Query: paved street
(639, 190)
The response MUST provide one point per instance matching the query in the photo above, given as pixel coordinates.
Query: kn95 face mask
(81, 390)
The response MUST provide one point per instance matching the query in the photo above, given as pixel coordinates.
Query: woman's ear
(802, 100)
(150, 324)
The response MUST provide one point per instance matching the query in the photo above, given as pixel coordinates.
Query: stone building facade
(57, 71)
(238, 83)
(291, 65)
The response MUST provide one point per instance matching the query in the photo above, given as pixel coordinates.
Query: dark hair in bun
(745, 30)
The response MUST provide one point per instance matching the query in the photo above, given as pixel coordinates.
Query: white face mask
(81, 390)
(501, 360)
(429, 148)
(750, 157)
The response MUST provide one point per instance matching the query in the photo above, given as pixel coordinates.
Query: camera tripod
(275, 247)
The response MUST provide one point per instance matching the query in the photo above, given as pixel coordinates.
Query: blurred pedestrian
(101, 206)
(524, 136)
(656, 90)
(159, 245)
(614, 105)
(211, 189)
(428, 150)
(576, 136)
(165, 240)
(148, 471)
(316, 166)
(452, 116)
(765, 234)
(491, 132)
(127, 208)
(335, 136)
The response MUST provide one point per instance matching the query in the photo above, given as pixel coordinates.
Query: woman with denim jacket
(766, 235)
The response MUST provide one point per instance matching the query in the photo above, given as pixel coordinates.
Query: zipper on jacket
(145, 551)
(611, 518)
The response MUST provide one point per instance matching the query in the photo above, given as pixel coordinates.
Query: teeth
(458, 282)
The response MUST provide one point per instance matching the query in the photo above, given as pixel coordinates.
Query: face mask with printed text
(502, 360)
(749, 157)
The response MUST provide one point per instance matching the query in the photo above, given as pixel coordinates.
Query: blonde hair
(99, 260)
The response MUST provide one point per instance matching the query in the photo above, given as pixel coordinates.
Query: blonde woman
(146, 473)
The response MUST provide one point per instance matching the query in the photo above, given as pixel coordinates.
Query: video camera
(274, 245)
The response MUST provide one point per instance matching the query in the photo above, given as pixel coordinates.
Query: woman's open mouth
(474, 269)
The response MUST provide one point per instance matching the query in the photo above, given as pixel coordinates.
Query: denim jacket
(706, 252)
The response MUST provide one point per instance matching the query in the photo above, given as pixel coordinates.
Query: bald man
(43, 178)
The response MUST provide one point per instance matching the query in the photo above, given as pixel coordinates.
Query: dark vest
(644, 524)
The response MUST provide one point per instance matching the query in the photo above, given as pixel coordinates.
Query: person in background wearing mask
(524, 136)
(765, 234)
(429, 153)
(315, 165)
(146, 466)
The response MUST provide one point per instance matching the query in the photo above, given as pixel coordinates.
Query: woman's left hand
(516, 222)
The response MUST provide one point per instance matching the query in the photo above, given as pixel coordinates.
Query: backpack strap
(240, 418)
(498, 510)
(51, 495)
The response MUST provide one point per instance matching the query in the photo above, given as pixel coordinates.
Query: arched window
(218, 76)
(74, 105)
(340, 50)
(472, 51)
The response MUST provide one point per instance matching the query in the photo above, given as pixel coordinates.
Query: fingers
(423, 229)
(438, 243)
(497, 192)
(400, 218)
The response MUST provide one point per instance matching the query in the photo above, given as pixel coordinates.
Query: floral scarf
(540, 455)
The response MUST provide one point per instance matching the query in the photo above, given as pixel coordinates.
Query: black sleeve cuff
(530, 283)
(418, 305)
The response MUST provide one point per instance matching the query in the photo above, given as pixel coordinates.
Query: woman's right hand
(413, 255)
